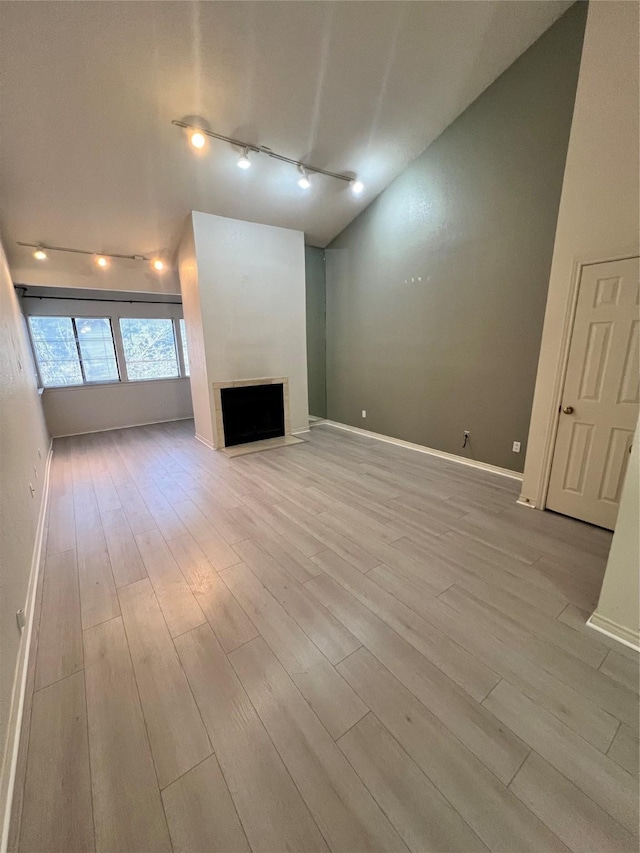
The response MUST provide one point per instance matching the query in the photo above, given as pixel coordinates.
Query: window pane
(185, 352)
(149, 348)
(56, 351)
(96, 348)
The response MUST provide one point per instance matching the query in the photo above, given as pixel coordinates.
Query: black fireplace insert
(252, 413)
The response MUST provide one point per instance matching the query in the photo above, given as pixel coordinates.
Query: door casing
(561, 373)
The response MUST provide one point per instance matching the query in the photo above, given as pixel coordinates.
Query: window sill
(98, 385)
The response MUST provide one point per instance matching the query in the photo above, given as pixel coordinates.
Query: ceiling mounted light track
(194, 131)
(101, 259)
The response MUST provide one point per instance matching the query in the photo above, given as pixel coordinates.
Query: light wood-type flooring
(341, 645)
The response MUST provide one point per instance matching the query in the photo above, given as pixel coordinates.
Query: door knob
(568, 410)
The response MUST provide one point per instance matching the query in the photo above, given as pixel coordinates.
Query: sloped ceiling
(91, 160)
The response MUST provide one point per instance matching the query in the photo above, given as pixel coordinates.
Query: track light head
(197, 139)
(102, 262)
(157, 264)
(39, 255)
(303, 181)
(356, 186)
(243, 160)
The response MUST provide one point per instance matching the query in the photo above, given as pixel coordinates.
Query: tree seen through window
(149, 348)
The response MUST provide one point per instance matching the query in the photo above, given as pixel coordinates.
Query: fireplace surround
(249, 410)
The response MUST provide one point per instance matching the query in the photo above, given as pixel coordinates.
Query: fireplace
(252, 413)
(251, 410)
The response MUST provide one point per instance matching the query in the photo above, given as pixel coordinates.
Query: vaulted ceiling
(90, 159)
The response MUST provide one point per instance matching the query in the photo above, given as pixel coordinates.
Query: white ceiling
(90, 158)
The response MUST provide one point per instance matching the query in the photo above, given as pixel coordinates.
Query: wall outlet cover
(364, 413)
(516, 447)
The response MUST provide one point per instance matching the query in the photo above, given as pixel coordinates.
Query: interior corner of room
(476, 303)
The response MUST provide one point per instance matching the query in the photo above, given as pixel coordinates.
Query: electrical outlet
(364, 413)
(516, 447)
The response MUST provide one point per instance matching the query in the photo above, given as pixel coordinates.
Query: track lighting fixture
(101, 261)
(303, 181)
(243, 160)
(199, 135)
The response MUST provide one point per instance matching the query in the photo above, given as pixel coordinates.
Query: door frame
(553, 419)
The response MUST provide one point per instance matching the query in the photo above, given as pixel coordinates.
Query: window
(185, 352)
(149, 349)
(89, 350)
(74, 350)
(97, 354)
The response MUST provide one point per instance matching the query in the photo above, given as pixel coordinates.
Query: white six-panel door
(600, 400)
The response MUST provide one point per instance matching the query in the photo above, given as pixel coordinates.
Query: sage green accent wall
(436, 292)
(316, 331)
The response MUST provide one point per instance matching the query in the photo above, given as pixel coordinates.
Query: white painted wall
(91, 408)
(200, 386)
(251, 287)
(618, 610)
(24, 448)
(599, 208)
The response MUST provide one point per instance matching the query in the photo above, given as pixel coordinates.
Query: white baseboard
(616, 632)
(124, 426)
(16, 707)
(528, 503)
(420, 448)
(299, 431)
(204, 440)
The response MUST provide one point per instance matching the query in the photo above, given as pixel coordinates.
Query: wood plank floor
(340, 645)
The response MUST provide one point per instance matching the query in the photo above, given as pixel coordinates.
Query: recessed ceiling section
(90, 157)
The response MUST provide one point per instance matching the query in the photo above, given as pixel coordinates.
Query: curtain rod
(95, 299)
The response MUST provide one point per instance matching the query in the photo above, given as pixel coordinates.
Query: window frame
(76, 340)
(118, 347)
(183, 349)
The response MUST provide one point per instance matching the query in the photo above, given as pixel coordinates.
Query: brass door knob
(568, 410)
